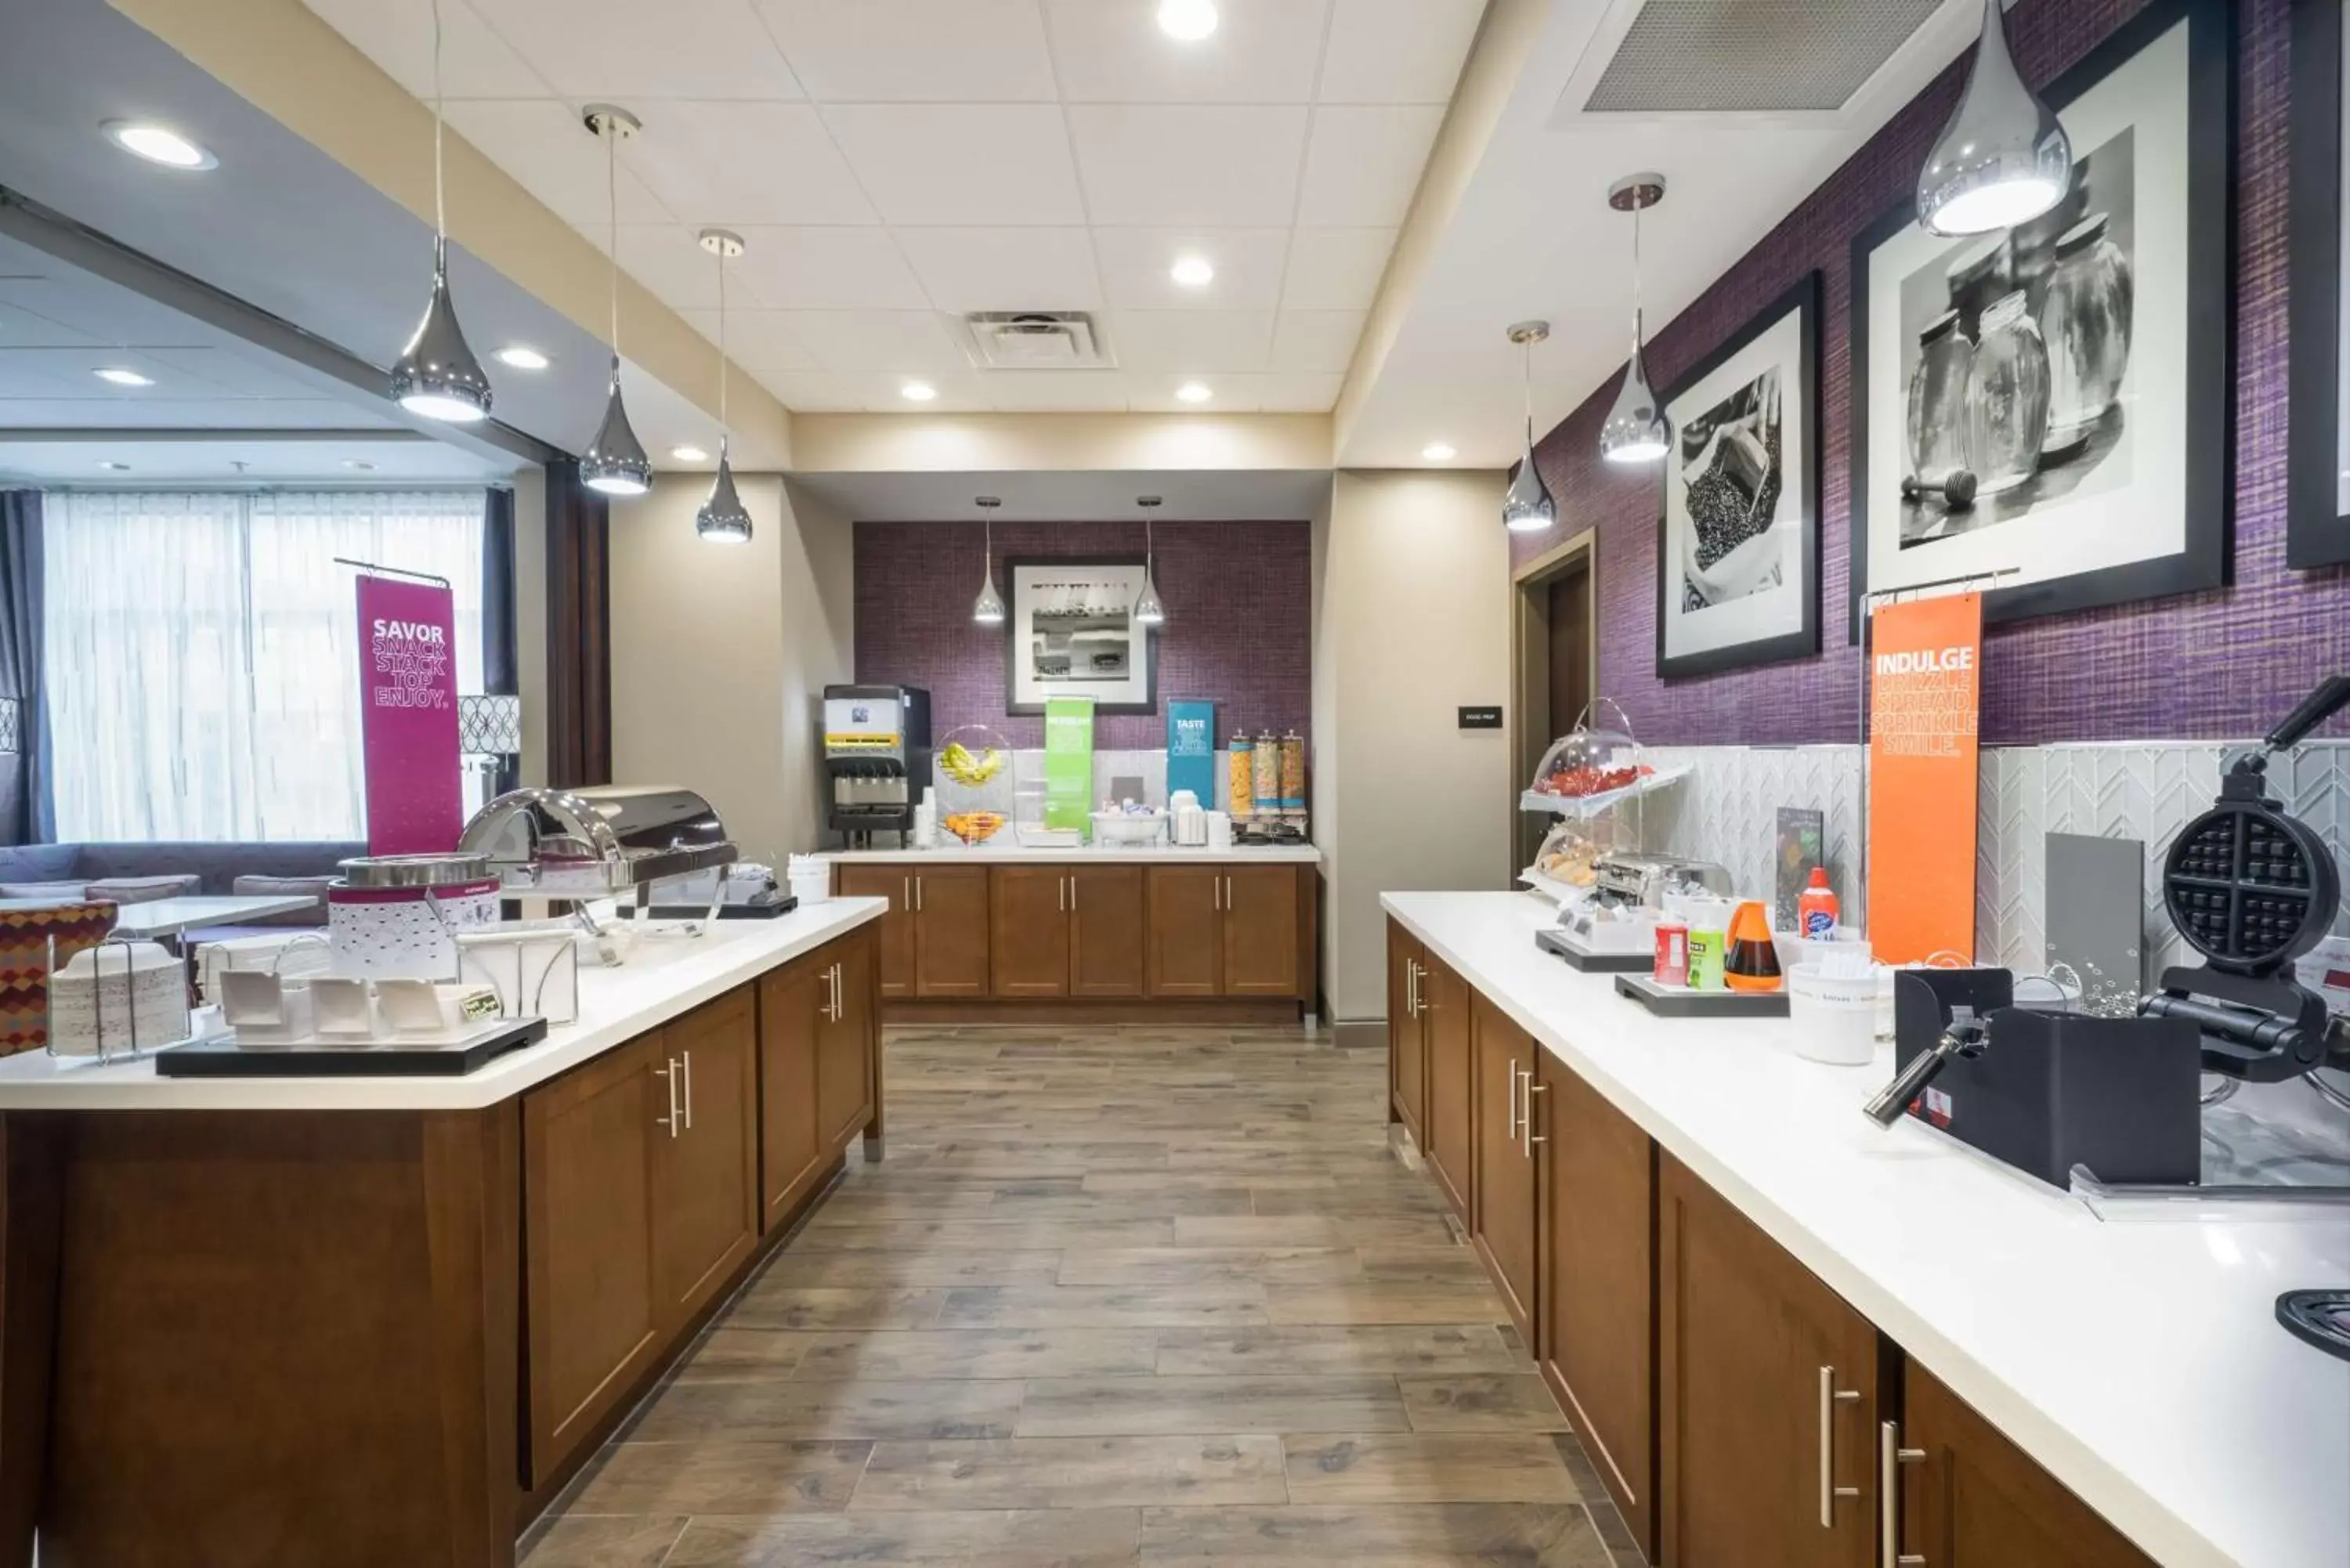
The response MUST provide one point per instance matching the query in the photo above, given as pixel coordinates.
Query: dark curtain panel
(499, 662)
(579, 632)
(25, 815)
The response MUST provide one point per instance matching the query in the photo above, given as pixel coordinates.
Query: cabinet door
(1502, 1203)
(1028, 935)
(844, 1068)
(951, 931)
(895, 883)
(1261, 955)
(1767, 1385)
(593, 1305)
(706, 1170)
(1184, 954)
(1106, 930)
(1974, 1499)
(791, 1145)
(1597, 1295)
(1444, 1011)
(1406, 1069)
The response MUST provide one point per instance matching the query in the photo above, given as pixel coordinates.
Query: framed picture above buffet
(2047, 408)
(1071, 632)
(2318, 480)
(1738, 566)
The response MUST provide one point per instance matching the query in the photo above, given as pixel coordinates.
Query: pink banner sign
(408, 715)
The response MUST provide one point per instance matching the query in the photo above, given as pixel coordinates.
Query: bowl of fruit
(973, 826)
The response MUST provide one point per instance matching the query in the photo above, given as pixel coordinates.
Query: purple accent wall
(1238, 625)
(2220, 664)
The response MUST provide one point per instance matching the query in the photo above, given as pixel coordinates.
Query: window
(202, 653)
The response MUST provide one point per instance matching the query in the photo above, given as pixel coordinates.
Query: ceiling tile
(1292, 394)
(22, 328)
(1135, 266)
(845, 342)
(1200, 341)
(681, 273)
(1262, 51)
(1336, 269)
(960, 163)
(731, 162)
(551, 154)
(622, 50)
(228, 372)
(1396, 51)
(1005, 269)
(912, 51)
(397, 35)
(883, 394)
(1168, 165)
(812, 391)
(757, 340)
(1364, 164)
(1054, 391)
(1289, 394)
(1320, 342)
(54, 374)
(827, 269)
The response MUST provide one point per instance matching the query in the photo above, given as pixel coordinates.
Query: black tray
(783, 906)
(222, 1060)
(1680, 1002)
(1555, 939)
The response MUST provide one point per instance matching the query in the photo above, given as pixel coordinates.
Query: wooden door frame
(1530, 664)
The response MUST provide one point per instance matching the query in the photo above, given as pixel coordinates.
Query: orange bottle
(1752, 964)
(1817, 909)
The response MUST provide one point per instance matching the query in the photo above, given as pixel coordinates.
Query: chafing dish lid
(637, 834)
(413, 870)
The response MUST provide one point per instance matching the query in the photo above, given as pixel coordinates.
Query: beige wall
(1413, 573)
(720, 654)
(530, 617)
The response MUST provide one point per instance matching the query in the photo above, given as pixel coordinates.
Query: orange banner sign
(1925, 691)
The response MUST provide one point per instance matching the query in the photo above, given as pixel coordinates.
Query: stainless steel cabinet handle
(687, 1058)
(1229, 904)
(1216, 891)
(1527, 1137)
(669, 1121)
(1410, 989)
(906, 896)
(839, 993)
(1830, 1397)
(1073, 894)
(1890, 1457)
(1061, 891)
(1513, 1097)
(918, 895)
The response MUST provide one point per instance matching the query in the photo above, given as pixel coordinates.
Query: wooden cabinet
(1185, 948)
(1028, 910)
(1261, 931)
(1444, 1013)
(1971, 1499)
(951, 935)
(1229, 930)
(1767, 1386)
(1407, 1064)
(1106, 931)
(792, 1148)
(846, 1043)
(705, 1164)
(1596, 1299)
(895, 937)
(1501, 1197)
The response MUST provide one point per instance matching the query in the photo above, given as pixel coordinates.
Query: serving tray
(1680, 1002)
(453, 1059)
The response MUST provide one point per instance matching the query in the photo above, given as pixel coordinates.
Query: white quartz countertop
(2136, 1358)
(666, 976)
(1015, 854)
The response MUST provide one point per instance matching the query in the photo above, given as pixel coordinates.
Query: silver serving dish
(1644, 880)
(413, 870)
(590, 843)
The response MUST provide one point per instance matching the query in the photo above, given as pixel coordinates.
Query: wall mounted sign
(1481, 718)
(1191, 750)
(1072, 633)
(1925, 691)
(408, 715)
(2317, 483)
(1068, 763)
(1738, 578)
(2053, 400)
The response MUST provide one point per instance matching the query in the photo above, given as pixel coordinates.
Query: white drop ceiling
(895, 163)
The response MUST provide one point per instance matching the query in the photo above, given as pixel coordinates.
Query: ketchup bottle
(1816, 911)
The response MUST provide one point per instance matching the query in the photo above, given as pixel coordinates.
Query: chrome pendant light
(988, 609)
(1635, 429)
(615, 462)
(437, 374)
(1147, 610)
(1528, 508)
(2003, 159)
(722, 520)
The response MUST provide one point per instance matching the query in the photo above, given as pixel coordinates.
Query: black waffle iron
(2251, 888)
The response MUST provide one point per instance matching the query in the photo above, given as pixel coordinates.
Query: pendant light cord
(724, 430)
(1526, 385)
(1636, 282)
(612, 211)
(440, 202)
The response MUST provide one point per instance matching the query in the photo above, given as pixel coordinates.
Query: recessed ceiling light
(1192, 272)
(114, 467)
(1439, 452)
(522, 357)
(362, 464)
(159, 145)
(123, 377)
(918, 392)
(1189, 20)
(688, 455)
(1194, 393)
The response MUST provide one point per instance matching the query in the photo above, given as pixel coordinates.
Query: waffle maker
(2251, 888)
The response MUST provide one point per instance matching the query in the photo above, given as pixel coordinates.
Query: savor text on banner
(408, 715)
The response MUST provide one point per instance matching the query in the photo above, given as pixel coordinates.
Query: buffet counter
(2136, 1359)
(1102, 853)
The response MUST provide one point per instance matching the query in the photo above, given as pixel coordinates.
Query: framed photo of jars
(2318, 484)
(1738, 568)
(2048, 407)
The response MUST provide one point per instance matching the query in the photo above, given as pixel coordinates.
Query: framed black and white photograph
(2048, 407)
(1071, 632)
(2317, 484)
(1738, 563)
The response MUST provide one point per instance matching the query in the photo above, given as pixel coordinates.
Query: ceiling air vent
(1751, 57)
(1035, 341)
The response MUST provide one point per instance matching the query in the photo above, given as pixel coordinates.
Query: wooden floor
(1116, 1296)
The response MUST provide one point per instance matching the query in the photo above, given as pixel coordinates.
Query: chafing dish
(1644, 880)
(590, 843)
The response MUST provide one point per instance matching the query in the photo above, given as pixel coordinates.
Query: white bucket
(1831, 1019)
(810, 879)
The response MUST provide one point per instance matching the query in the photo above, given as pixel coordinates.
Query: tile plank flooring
(1117, 1297)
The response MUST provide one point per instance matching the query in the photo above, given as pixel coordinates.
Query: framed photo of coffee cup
(2317, 483)
(2047, 408)
(1738, 564)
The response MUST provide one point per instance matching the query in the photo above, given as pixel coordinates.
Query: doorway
(1554, 664)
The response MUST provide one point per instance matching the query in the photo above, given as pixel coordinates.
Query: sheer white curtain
(202, 653)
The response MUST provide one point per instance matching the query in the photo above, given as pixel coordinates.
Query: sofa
(167, 868)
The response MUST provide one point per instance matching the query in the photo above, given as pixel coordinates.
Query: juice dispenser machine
(877, 752)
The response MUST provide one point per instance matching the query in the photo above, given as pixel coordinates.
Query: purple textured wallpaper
(1238, 630)
(2220, 664)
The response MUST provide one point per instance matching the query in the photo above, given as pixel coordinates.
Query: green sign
(1069, 762)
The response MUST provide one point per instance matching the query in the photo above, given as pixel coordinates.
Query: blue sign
(1191, 750)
